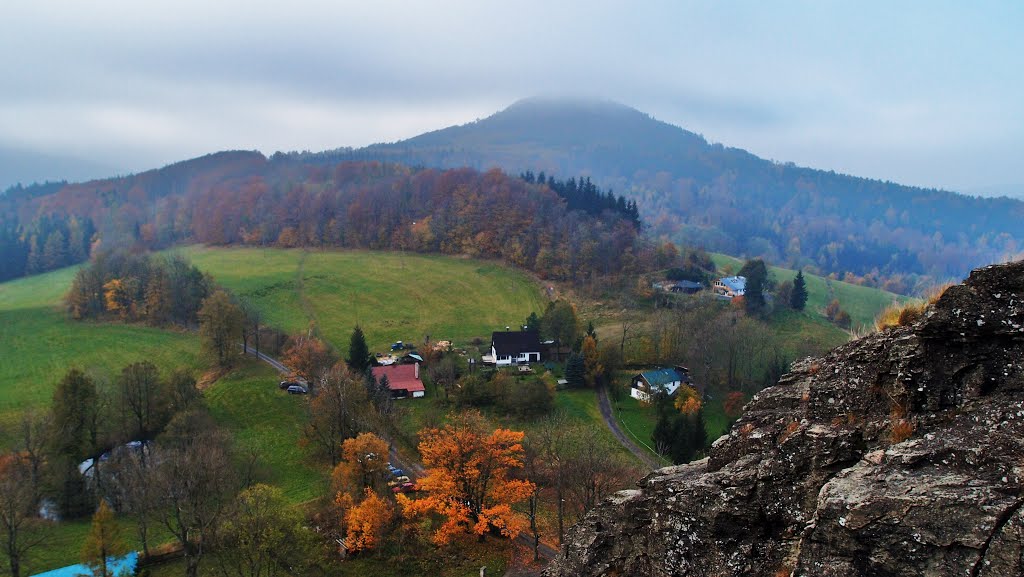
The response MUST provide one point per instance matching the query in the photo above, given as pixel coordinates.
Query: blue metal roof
(736, 284)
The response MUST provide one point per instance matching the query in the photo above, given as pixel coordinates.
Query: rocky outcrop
(901, 453)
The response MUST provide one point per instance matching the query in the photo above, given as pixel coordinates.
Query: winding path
(605, 404)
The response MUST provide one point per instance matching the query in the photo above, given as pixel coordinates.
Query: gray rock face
(901, 453)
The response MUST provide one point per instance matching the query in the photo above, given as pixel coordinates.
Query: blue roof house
(731, 286)
(667, 381)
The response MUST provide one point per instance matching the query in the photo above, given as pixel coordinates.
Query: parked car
(395, 471)
(296, 390)
(405, 488)
(285, 384)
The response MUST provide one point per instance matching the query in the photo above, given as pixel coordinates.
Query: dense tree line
(139, 287)
(699, 193)
(244, 198)
(586, 196)
(47, 243)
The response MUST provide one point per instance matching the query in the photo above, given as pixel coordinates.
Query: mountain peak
(567, 104)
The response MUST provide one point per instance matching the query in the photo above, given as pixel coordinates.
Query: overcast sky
(923, 93)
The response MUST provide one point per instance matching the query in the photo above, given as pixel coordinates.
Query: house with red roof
(403, 380)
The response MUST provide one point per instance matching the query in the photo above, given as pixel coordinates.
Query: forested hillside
(551, 228)
(728, 200)
(685, 189)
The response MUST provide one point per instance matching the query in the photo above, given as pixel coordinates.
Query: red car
(405, 488)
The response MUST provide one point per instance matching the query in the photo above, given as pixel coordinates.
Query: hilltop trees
(132, 287)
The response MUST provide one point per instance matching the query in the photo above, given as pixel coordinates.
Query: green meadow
(393, 296)
(863, 303)
(39, 343)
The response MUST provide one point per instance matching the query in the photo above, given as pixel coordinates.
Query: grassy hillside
(267, 421)
(394, 296)
(38, 344)
(863, 303)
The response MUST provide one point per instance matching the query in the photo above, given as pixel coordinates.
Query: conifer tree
(103, 543)
(798, 298)
(575, 370)
(358, 353)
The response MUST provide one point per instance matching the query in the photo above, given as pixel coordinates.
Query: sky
(921, 93)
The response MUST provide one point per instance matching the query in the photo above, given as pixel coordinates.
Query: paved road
(605, 405)
(412, 467)
(269, 360)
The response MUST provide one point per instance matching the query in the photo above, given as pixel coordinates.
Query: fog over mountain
(914, 92)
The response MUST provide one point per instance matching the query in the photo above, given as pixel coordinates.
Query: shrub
(900, 431)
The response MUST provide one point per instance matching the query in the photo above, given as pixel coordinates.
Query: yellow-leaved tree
(104, 542)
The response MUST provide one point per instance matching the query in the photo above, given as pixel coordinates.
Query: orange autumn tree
(468, 480)
(308, 356)
(688, 400)
(364, 464)
(365, 522)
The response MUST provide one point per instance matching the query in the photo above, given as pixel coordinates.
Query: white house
(667, 381)
(514, 348)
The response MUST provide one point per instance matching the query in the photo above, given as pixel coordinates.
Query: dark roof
(512, 343)
(688, 284)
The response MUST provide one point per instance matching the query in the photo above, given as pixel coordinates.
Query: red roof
(400, 377)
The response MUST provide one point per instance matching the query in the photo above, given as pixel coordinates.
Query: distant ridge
(728, 199)
(688, 190)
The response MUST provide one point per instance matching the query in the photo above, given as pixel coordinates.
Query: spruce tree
(798, 298)
(575, 370)
(358, 353)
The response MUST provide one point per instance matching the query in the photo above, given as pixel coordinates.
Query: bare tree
(194, 481)
(340, 409)
(551, 438)
(595, 469)
(133, 489)
(20, 528)
(141, 398)
(443, 373)
(31, 444)
(532, 471)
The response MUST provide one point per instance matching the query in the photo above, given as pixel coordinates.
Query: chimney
(417, 371)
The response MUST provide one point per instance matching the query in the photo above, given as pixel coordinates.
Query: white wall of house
(510, 360)
(641, 390)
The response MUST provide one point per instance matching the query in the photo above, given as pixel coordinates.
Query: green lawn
(269, 421)
(863, 303)
(392, 296)
(39, 343)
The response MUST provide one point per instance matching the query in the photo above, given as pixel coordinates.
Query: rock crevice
(901, 453)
